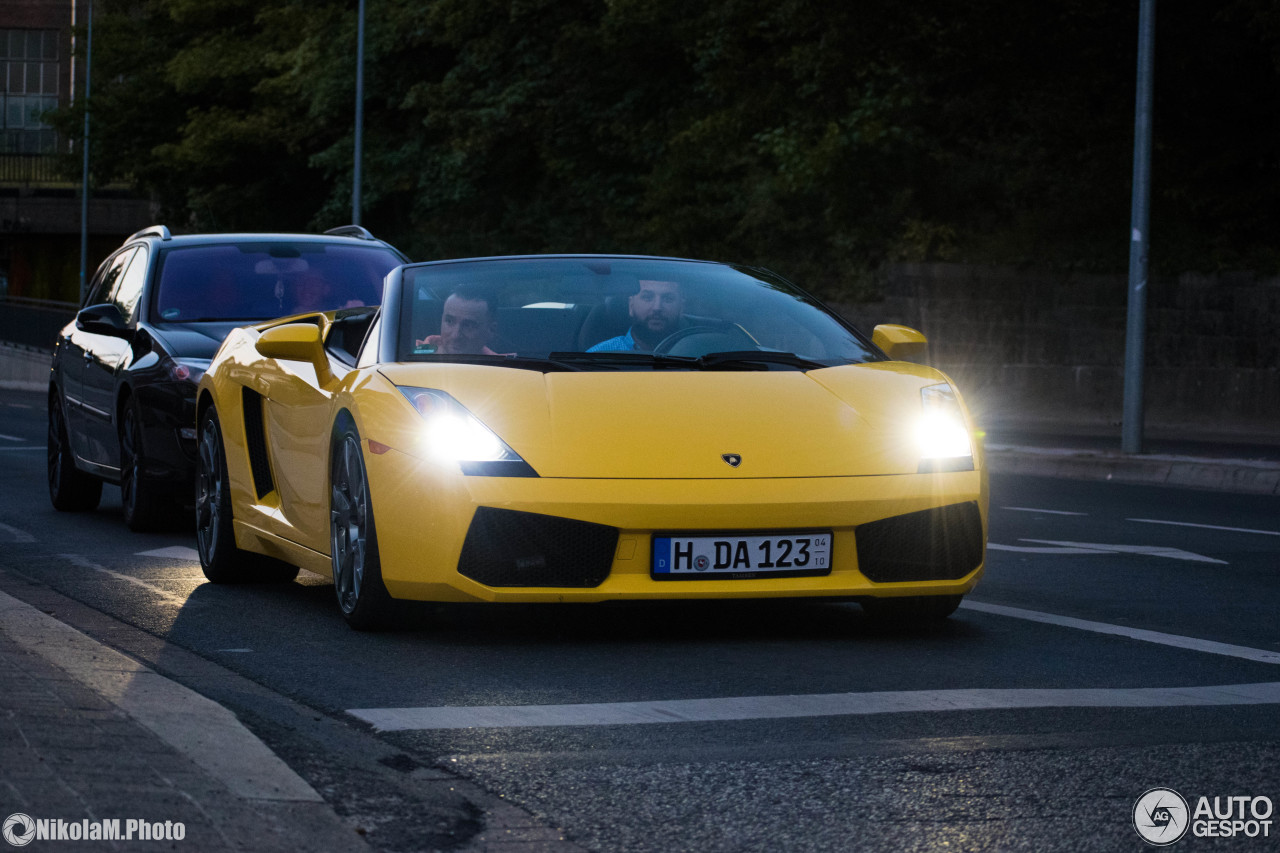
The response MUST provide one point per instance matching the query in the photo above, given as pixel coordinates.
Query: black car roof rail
(357, 231)
(153, 231)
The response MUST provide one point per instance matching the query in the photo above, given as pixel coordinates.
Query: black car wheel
(148, 505)
(70, 489)
(220, 559)
(353, 539)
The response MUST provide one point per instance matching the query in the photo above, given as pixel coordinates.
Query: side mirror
(900, 343)
(104, 319)
(295, 342)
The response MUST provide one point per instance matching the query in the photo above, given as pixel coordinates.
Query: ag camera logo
(19, 830)
(1160, 816)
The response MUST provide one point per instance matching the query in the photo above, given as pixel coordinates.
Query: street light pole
(1135, 335)
(359, 130)
(84, 191)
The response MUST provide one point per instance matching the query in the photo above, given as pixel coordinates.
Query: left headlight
(452, 434)
(941, 434)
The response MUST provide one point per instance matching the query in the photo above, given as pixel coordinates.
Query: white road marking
(1045, 511)
(816, 705)
(1026, 549)
(174, 552)
(10, 438)
(18, 535)
(1093, 548)
(1206, 526)
(180, 600)
(844, 704)
(16, 449)
(1175, 640)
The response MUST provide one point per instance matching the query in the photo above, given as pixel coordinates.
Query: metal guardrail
(33, 322)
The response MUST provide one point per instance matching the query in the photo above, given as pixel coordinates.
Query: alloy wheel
(348, 527)
(208, 490)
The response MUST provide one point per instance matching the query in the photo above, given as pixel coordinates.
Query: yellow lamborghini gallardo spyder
(589, 428)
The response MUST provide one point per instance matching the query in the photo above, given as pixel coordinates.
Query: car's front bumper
(423, 520)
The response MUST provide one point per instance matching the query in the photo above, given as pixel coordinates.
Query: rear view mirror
(296, 342)
(292, 342)
(900, 343)
(104, 319)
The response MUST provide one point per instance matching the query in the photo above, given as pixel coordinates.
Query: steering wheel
(701, 340)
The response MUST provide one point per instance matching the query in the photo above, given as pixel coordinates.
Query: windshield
(616, 313)
(258, 280)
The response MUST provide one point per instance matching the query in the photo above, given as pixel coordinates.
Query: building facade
(40, 203)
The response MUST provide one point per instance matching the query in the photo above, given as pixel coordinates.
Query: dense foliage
(820, 139)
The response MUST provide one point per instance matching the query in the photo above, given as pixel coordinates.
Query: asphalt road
(1124, 638)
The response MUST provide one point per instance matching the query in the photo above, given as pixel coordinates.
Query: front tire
(220, 559)
(70, 489)
(353, 539)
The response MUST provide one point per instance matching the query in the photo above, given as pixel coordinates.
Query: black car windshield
(255, 280)
(617, 313)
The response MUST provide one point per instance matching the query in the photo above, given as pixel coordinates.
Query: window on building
(29, 59)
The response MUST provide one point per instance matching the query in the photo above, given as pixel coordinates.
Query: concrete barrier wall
(1025, 345)
(23, 369)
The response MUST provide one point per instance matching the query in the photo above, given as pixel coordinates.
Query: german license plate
(741, 557)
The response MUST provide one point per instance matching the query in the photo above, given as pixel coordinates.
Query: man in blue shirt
(655, 312)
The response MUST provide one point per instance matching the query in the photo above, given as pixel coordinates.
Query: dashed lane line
(1189, 643)
(17, 535)
(1043, 511)
(85, 563)
(175, 552)
(1206, 526)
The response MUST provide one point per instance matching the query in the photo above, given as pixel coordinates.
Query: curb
(1244, 476)
(202, 730)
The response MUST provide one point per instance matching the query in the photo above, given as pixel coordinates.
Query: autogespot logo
(19, 830)
(1160, 816)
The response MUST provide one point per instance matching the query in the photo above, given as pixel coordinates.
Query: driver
(466, 324)
(656, 311)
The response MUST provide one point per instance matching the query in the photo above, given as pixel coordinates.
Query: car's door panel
(105, 356)
(297, 420)
(82, 349)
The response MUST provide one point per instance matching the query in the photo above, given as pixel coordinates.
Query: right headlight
(941, 434)
(451, 433)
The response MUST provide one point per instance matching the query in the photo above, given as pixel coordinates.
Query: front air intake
(509, 548)
(938, 544)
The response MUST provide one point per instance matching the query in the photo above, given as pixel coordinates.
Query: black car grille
(944, 543)
(509, 548)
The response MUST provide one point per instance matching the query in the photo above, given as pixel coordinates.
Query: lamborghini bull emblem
(734, 459)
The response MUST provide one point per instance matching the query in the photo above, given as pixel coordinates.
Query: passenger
(467, 323)
(656, 310)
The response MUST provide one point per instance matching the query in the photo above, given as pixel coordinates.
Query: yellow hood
(841, 421)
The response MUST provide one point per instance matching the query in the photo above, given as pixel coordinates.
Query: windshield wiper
(520, 362)
(623, 359)
(756, 360)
